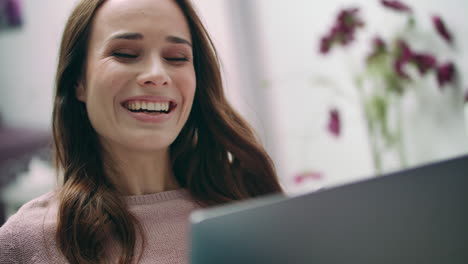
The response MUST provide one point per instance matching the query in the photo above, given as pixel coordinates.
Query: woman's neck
(138, 173)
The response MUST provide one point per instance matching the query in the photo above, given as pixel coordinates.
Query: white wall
(290, 32)
(233, 27)
(28, 58)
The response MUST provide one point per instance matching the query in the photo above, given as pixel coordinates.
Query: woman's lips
(150, 117)
(153, 109)
(149, 106)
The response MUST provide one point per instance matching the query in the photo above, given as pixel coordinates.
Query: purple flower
(325, 44)
(342, 31)
(398, 67)
(442, 29)
(396, 5)
(404, 56)
(342, 34)
(424, 62)
(405, 53)
(308, 175)
(13, 12)
(445, 73)
(334, 123)
(348, 19)
(347, 23)
(346, 15)
(379, 46)
(466, 96)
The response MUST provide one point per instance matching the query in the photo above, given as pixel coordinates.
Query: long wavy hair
(216, 156)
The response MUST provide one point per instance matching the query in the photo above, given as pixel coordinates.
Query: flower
(343, 30)
(308, 175)
(385, 79)
(13, 13)
(442, 29)
(404, 56)
(424, 62)
(379, 47)
(334, 123)
(325, 44)
(445, 73)
(396, 5)
(379, 44)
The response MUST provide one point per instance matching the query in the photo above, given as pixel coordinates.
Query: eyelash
(124, 55)
(131, 56)
(177, 59)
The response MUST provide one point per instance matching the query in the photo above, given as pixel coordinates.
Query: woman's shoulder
(30, 212)
(26, 229)
(33, 213)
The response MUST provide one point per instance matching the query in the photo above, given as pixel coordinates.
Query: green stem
(401, 146)
(376, 160)
(376, 154)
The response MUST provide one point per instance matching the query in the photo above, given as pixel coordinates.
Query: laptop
(419, 215)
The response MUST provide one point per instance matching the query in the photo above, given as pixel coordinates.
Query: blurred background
(338, 91)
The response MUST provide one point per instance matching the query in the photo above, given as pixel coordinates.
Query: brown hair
(216, 156)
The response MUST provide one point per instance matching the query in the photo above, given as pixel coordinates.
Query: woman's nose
(153, 74)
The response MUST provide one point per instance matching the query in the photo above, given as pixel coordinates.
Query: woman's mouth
(148, 107)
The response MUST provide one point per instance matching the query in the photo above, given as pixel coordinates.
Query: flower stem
(400, 139)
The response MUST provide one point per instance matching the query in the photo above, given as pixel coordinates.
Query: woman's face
(140, 79)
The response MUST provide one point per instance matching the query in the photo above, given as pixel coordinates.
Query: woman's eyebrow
(177, 40)
(139, 36)
(128, 35)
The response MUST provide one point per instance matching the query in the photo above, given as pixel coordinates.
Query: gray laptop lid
(418, 215)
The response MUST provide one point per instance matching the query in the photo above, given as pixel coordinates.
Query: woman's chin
(149, 143)
(138, 141)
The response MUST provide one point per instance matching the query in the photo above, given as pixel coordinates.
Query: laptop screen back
(414, 216)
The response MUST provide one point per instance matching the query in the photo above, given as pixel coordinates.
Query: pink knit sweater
(28, 236)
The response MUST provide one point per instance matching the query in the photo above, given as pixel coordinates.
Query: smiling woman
(143, 136)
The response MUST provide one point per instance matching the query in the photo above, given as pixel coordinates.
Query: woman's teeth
(142, 106)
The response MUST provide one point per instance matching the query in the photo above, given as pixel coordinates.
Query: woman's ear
(80, 92)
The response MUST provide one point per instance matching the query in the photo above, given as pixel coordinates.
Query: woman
(143, 136)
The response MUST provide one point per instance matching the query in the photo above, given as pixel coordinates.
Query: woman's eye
(124, 55)
(177, 59)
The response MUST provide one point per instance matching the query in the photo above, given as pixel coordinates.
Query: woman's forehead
(143, 16)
